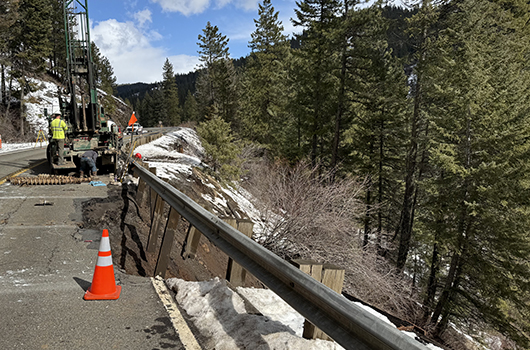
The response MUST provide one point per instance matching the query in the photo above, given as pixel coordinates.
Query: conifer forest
(427, 104)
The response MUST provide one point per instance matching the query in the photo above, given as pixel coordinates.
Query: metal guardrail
(348, 324)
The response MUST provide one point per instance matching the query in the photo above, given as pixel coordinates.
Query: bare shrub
(302, 207)
(309, 216)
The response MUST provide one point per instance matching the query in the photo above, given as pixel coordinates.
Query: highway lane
(12, 162)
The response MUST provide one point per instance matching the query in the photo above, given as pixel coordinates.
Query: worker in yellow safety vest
(59, 128)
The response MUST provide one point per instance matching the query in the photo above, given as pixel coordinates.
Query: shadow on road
(82, 283)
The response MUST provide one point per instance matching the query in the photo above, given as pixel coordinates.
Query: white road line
(181, 327)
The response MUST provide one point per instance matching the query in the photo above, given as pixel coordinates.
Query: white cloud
(190, 7)
(132, 54)
(186, 7)
(142, 17)
(184, 63)
(221, 3)
(247, 5)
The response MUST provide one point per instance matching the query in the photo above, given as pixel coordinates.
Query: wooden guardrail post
(167, 243)
(191, 243)
(312, 268)
(152, 202)
(330, 275)
(236, 274)
(156, 224)
(140, 192)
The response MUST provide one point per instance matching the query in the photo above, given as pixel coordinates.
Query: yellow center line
(16, 173)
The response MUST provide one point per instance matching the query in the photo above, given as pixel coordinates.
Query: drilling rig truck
(88, 126)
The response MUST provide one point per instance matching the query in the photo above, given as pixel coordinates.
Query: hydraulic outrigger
(88, 127)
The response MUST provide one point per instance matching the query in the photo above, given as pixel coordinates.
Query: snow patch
(174, 153)
(220, 316)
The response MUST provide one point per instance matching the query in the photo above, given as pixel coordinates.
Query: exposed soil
(129, 226)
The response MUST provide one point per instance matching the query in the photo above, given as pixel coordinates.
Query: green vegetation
(219, 144)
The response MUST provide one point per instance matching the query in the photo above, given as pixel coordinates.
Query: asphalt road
(15, 161)
(47, 262)
(46, 265)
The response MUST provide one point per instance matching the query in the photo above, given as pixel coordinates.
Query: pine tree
(157, 108)
(265, 91)
(220, 146)
(105, 80)
(424, 28)
(145, 111)
(226, 85)
(217, 84)
(374, 139)
(342, 38)
(30, 44)
(477, 203)
(191, 111)
(57, 39)
(315, 84)
(9, 14)
(170, 91)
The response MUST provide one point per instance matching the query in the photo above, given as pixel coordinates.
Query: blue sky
(137, 36)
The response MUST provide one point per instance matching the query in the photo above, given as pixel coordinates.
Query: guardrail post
(167, 243)
(152, 202)
(192, 242)
(236, 274)
(155, 224)
(140, 192)
(330, 275)
(312, 268)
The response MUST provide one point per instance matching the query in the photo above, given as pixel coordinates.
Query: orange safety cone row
(103, 283)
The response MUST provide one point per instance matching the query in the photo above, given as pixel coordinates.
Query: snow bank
(220, 316)
(9, 147)
(163, 153)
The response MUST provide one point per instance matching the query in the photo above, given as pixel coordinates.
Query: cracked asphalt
(46, 265)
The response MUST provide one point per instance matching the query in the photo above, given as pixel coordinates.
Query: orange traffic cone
(103, 283)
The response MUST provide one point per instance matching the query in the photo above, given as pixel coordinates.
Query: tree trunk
(444, 298)
(405, 225)
(368, 214)
(22, 113)
(340, 107)
(367, 221)
(317, 120)
(8, 95)
(443, 306)
(432, 283)
(380, 185)
(3, 85)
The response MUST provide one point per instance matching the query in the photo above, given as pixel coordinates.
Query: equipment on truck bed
(88, 127)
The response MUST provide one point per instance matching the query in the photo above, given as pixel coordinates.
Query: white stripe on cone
(104, 245)
(104, 261)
